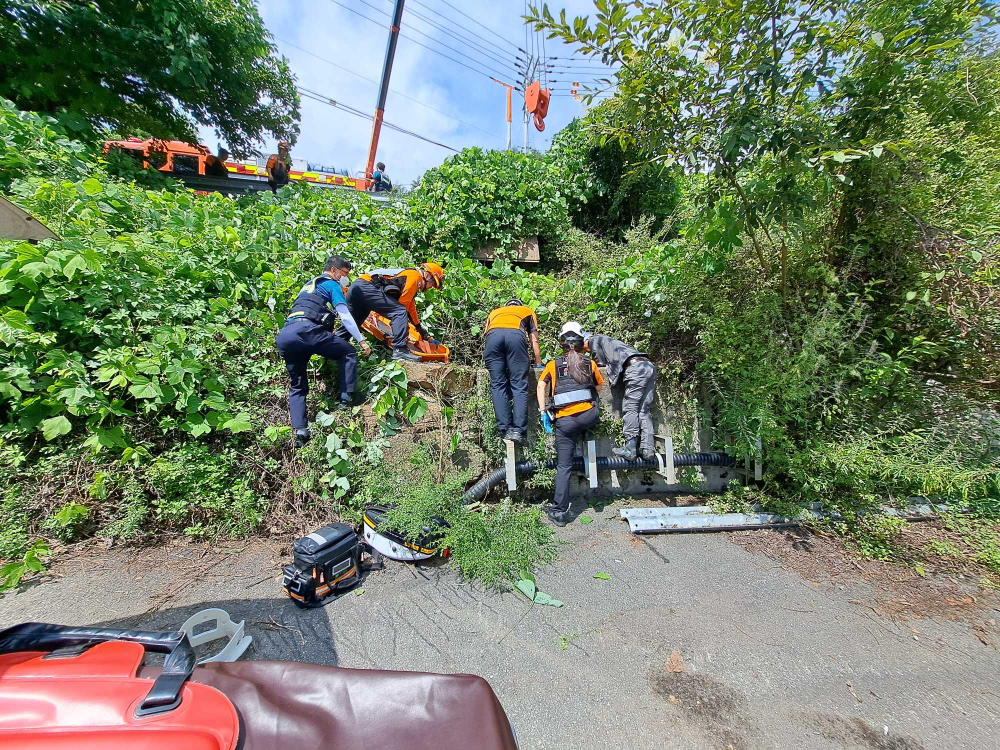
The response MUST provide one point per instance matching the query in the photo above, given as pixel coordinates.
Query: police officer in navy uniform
(309, 330)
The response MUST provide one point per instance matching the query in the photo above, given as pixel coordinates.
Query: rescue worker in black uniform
(309, 330)
(392, 292)
(508, 330)
(573, 380)
(628, 364)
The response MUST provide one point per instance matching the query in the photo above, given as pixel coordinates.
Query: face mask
(344, 282)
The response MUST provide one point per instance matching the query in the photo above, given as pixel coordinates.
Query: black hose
(479, 489)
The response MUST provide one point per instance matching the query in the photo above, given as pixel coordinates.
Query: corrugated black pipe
(479, 489)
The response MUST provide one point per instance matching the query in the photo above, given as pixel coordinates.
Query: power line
(358, 113)
(397, 93)
(425, 34)
(451, 22)
(458, 62)
(462, 39)
(331, 62)
(459, 52)
(421, 44)
(462, 13)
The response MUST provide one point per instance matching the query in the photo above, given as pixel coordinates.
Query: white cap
(571, 327)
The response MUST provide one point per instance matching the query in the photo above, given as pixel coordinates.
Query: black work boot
(558, 517)
(629, 451)
(515, 436)
(301, 438)
(648, 454)
(404, 355)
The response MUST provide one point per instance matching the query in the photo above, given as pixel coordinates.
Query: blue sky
(335, 138)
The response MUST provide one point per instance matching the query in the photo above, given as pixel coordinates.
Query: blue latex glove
(434, 341)
(546, 422)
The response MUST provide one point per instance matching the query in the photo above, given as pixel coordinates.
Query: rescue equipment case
(324, 563)
(66, 688)
(105, 699)
(392, 544)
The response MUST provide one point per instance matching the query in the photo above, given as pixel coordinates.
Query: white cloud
(339, 139)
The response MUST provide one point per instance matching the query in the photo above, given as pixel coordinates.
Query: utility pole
(529, 74)
(383, 91)
(509, 89)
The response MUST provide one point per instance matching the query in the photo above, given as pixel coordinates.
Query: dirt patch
(855, 733)
(949, 588)
(720, 712)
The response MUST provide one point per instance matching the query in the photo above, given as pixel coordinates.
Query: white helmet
(572, 328)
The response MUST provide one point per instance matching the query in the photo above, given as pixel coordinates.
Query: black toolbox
(324, 563)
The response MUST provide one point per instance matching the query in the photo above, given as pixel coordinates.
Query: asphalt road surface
(692, 642)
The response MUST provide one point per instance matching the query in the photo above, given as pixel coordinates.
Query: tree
(155, 67)
(619, 187)
(731, 87)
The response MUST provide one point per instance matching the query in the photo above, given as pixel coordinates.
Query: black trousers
(506, 355)
(297, 341)
(364, 297)
(567, 430)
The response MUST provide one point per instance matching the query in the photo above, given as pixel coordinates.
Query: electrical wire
(425, 34)
(420, 44)
(315, 96)
(433, 25)
(397, 93)
(478, 23)
(458, 62)
(461, 39)
(452, 22)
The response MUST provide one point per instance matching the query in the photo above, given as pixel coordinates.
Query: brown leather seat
(292, 705)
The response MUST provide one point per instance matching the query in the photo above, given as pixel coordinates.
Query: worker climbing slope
(624, 362)
(573, 379)
(508, 330)
(392, 292)
(309, 330)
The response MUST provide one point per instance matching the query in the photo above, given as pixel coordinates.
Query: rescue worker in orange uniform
(392, 292)
(278, 167)
(216, 165)
(508, 331)
(573, 379)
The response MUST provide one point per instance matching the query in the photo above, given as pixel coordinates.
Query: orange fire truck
(182, 158)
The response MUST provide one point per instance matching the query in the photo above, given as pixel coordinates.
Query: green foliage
(203, 493)
(822, 277)
(494, 546)
(32, 144)
(764, 96)
(875, 535)
(981, 536)
(479, 199)
(14, 572)
(158, 67)
(69, 520)
(618, 188)
(527, 586)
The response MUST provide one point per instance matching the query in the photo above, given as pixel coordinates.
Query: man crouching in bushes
(309, 330)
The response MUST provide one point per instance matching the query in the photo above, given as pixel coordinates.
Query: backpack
(324, 563)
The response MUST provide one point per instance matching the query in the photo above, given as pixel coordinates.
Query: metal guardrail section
(660, 522)
(702, 518)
